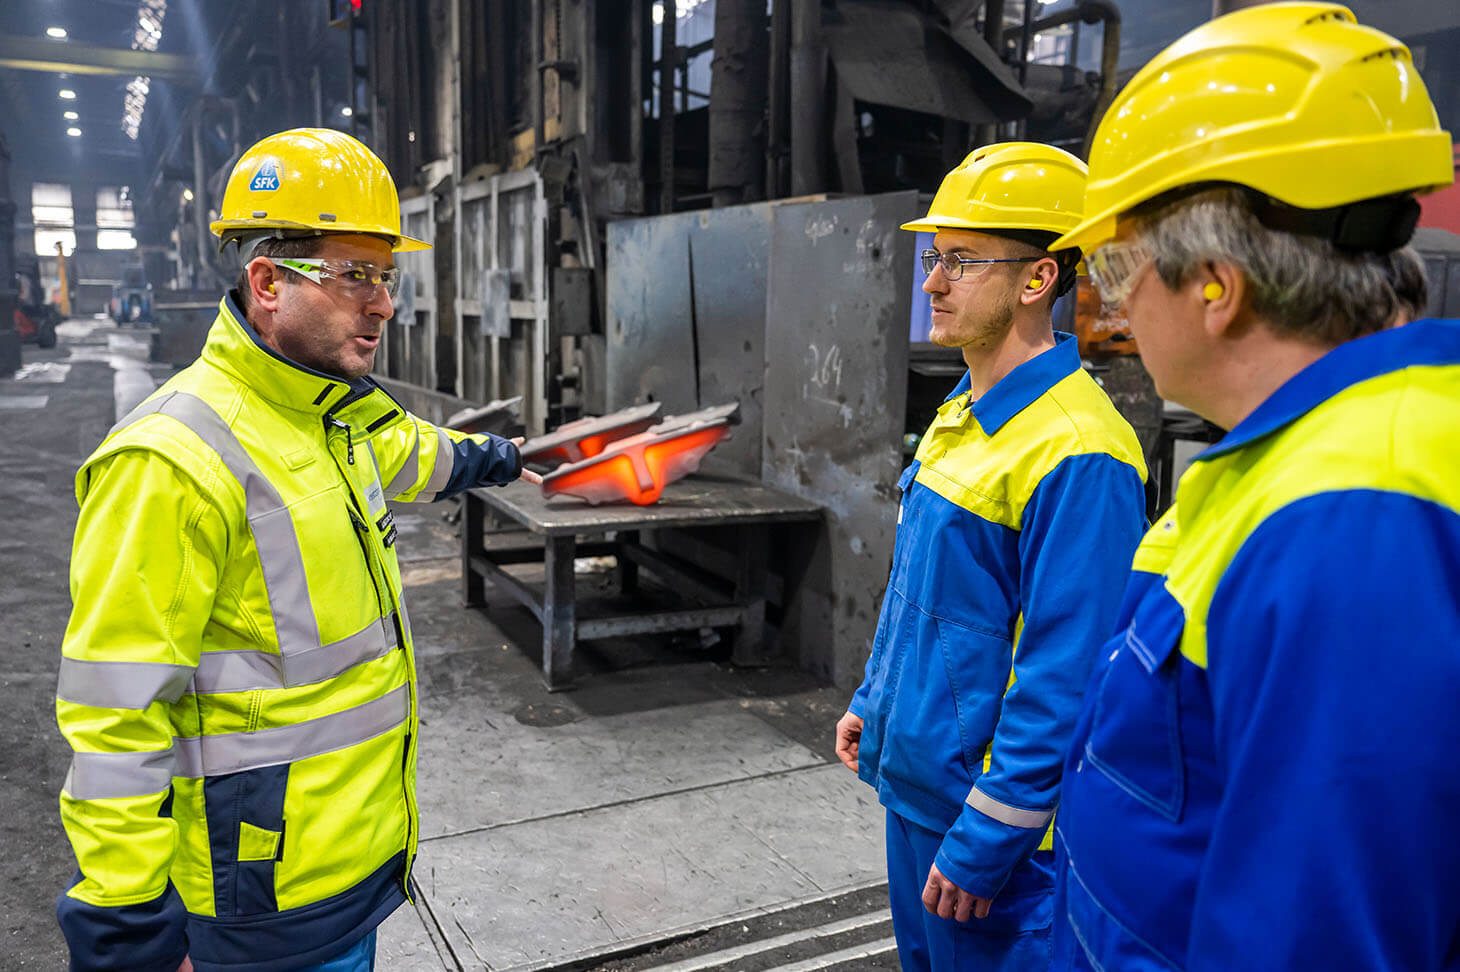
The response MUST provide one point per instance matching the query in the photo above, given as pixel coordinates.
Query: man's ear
(1042, 279)
(264, 279)
(1221, 291)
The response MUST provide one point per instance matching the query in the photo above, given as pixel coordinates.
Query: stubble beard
(985, 331)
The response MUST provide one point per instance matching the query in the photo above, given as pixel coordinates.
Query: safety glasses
(1115, 268)
(953, 263)
(356, 279)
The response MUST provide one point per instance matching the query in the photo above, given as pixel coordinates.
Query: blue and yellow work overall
(1264, 774)
(1019, 516)
(237, 680)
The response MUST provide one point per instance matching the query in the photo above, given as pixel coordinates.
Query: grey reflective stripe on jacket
(302, 659)
(1003, 813)
(445, 459)
(234, 752)
(108, 776)
(280, 558)
(121, 685)
(405, 478)
(102, 776)
(246, 671)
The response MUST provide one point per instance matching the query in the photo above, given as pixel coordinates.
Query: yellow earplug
(271, 288)
(1035, 284)
(1213, 290)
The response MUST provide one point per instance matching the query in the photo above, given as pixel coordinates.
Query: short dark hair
(1035, 244)
(289, 246)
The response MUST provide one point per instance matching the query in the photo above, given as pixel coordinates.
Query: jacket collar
(1427, 342)
(235, 347)
(1023, 386)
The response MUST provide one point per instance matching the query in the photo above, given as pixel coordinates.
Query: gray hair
(1306, 287)
(273, 246)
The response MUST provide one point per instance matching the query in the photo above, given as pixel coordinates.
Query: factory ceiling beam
(73, 57)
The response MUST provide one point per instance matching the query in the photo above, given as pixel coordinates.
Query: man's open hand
(947, 900)
(528, 476)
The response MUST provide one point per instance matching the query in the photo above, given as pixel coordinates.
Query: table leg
(751, 583)
(473, 585)
(559, 622)
(626, 573)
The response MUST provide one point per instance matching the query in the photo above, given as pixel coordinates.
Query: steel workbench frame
(570, 528)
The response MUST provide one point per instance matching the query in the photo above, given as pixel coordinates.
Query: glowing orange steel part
(639, 467)
(589, 437)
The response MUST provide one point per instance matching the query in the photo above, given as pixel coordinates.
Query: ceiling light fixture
(57, 32)
(74, 132)
(347, 111)
(187, 195)
(68, 94)
(70, 115)
(150, 15)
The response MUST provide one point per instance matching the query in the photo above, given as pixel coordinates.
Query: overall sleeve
(421, 461)
(1334, 668)
(1080, 530)
(143, 579)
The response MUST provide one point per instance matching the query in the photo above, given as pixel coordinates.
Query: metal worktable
(570, 528)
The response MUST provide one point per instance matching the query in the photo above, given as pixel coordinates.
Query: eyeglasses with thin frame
(1115, 267)
(953, 263)
(356, 279)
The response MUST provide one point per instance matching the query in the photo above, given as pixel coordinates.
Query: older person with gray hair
(1263, 775)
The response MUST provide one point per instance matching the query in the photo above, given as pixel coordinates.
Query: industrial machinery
(131, 299)
(35, 317)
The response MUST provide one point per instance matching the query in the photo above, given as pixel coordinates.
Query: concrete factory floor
(669, 797)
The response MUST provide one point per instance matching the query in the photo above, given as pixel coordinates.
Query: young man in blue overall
(1263, 777)
(1019, 515)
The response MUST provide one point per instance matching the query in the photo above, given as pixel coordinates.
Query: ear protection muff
(1213, 290)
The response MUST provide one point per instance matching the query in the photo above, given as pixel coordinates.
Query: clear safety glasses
(953, 263)
(356, 279)
(1115, 268)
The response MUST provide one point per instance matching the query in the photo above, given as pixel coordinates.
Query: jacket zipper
(362, 534)
(349, 439)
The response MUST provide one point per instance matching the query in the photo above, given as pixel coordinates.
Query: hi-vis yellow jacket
(237, 679)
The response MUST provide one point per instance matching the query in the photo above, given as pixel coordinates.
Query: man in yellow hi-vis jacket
(237, 679)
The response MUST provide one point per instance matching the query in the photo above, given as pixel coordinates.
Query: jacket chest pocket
(907, 517)
(1135, 736)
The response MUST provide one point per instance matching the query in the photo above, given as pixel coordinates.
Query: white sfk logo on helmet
(266, 178)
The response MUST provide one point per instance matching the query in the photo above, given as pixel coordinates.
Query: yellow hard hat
(312, 179)
(1294, 100)
(1009, 186)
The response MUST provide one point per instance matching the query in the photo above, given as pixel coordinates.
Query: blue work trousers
(1013, 938)
(359, 957)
